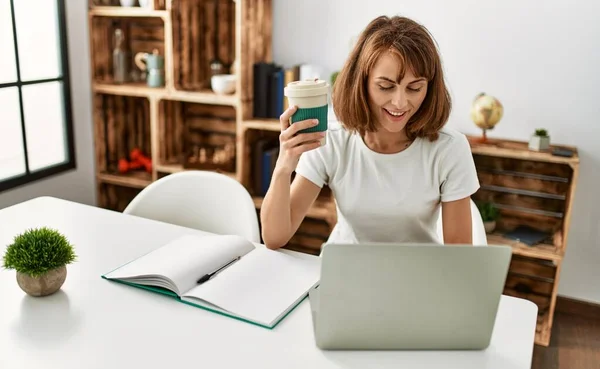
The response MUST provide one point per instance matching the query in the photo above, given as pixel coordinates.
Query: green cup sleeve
(319, 112)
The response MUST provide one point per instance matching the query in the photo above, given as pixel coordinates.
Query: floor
(575, 341)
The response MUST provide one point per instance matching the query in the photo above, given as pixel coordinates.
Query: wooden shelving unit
(533, 189)
(163, 121)
(263, 124)
(183, 33)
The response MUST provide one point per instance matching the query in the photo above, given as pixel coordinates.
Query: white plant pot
(489, 226)
(146, 3)
(538, 143)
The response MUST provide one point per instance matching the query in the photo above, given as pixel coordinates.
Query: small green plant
(37, 251)
(334, 77)
(541, 132)
(489, 212)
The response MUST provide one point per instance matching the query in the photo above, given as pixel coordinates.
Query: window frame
(28, 176)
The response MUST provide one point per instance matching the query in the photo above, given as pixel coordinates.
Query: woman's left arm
(459, 180)
(457, 222)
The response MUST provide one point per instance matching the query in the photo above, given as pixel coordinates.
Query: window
(36, 130)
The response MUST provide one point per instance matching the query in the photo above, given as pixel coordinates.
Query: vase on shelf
(120, 59)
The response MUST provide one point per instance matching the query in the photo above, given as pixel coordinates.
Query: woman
(392, 164)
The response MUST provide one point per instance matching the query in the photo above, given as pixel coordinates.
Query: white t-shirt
(390, 197)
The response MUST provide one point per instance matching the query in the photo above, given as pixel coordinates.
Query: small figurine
(203, 155)
(194, 157)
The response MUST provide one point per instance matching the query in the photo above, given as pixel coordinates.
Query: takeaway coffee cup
(310, 96)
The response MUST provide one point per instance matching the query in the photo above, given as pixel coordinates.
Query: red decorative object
(137, 156)
(138, 161)
(125, 165)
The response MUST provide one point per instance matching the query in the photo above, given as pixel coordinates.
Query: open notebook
(251, 283)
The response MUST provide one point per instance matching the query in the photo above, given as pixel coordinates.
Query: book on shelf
(265, 153)
(225, 274)
(270, 80)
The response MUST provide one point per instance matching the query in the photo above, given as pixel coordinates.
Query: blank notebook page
(262, 285)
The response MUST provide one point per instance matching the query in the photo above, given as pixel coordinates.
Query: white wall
(77, 185)
(540, 58)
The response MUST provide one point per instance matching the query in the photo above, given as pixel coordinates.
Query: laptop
(381, 296)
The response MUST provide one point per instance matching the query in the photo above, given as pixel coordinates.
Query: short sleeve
(313, 166)
(457, 170)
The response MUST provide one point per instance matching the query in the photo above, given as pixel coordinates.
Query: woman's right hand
(292, 144)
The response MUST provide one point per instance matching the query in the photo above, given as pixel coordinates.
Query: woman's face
(394, 102)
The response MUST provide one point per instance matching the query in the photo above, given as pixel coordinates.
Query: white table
(93, 323)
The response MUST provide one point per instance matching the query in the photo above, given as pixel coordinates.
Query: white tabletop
(93, 323)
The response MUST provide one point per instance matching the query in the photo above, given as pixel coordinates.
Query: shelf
(541, 251)
(140, 35)
(203, 97)
(519, 150)
(176, 168)
(198, 40)
(118, 11)
(263, 124)
(517, 191)
(321, 209)
(121, 124)
(129, 89)
(197, 136)
(137, 179)
(140, 89)
(169, 168)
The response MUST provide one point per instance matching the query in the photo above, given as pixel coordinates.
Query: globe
(486, 112)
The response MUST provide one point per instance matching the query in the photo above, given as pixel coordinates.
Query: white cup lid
(305, 88)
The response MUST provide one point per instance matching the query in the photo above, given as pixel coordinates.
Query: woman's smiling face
(393, 102)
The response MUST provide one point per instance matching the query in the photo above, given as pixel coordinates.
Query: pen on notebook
(208, 276)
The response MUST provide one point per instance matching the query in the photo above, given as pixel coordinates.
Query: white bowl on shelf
(223, 84)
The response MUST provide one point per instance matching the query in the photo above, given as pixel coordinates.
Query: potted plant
(540, 140)
(489, 214)
(40, 257)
